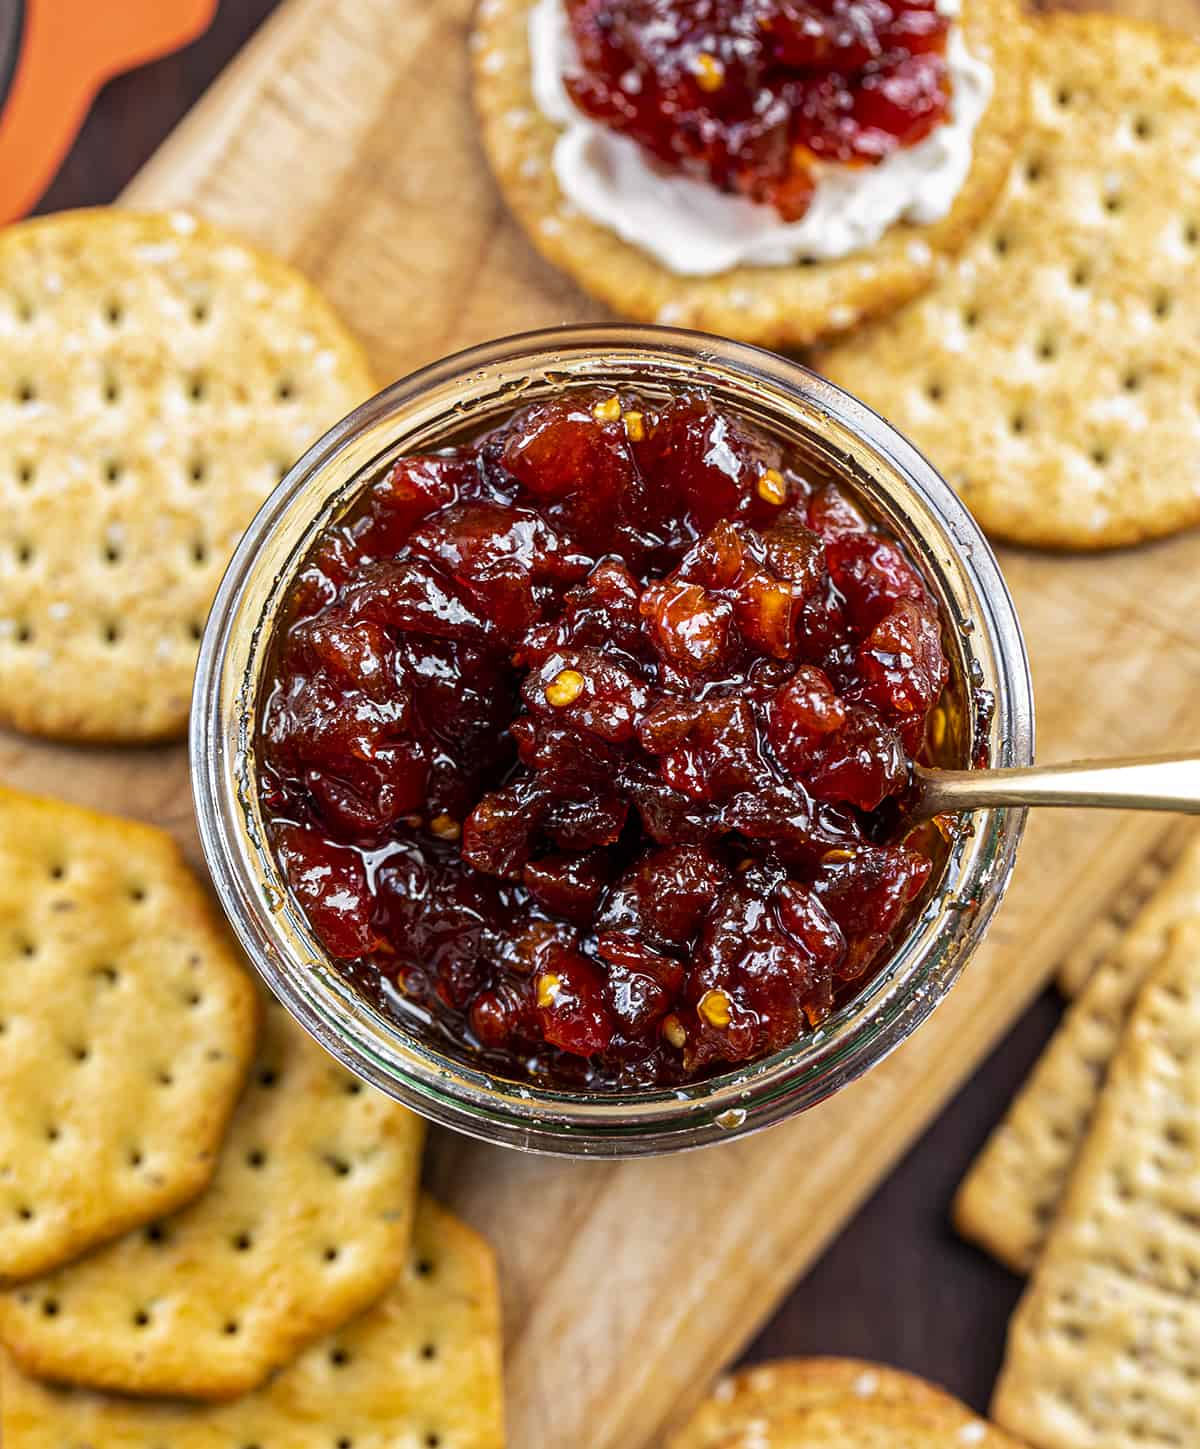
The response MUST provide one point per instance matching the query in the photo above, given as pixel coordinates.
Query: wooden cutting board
(342, 138)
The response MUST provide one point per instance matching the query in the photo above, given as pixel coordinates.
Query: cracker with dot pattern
(827, 1403)
(1103, 939)
(897, 1425)
(127, 1027)
(420, 1370)
(1052, 374)
(306, 1222)
(789, 1387)
(1104, 1349)
(786, 306)
(1008, 1200)
(157, 377)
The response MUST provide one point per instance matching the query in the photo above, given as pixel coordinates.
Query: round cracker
(792, 1386)
(157, 376)
(774, 306)
(824, 1403)
(898, 1425)
(1051, 376)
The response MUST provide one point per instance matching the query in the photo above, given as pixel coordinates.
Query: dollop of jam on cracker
(584, 742)
(752, 95)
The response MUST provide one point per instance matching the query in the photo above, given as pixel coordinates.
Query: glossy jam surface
(584, 743)
(749, 94)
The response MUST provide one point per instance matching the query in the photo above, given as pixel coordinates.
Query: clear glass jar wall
(461, 397)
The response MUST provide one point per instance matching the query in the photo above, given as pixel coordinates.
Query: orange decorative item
(54, 56)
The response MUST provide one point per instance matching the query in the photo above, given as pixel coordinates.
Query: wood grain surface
(342, 138)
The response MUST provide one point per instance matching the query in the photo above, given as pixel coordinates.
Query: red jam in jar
(749, 94)
(585, 743)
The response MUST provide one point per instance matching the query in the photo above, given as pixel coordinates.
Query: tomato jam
(749, 94)
(585, 743)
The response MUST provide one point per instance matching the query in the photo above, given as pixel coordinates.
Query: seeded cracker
(1052, 374)
(305, 1224)
(126, 1031)
(420, 1369)
(831, 1403)
(1104, 1349)
(774, 306)
(156, 378)
(1008, 1200)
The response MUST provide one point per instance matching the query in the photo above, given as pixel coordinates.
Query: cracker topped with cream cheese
(780, 256)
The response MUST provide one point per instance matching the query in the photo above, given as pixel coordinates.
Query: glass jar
(988, 717)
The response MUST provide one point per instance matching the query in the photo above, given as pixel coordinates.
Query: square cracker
(305, 1224)
(157, 378)
(420, 1369)
(127, 1026)
(1103, 940)
(1104, 1349)
(1050, 374)
(1008, 1199)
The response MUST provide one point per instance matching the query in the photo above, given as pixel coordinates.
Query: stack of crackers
(212, 1234)
(1091, 1185)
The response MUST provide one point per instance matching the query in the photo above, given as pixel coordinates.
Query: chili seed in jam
(584, 742)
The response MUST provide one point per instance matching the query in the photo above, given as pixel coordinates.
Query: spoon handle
(1166, 782)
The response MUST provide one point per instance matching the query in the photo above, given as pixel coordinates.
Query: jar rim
(491, 380)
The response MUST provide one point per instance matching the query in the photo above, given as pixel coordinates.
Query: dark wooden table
(896, 1285)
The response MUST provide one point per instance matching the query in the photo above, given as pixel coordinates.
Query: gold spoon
(1163, 782)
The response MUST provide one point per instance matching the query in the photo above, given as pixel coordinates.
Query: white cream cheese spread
(695, 230)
